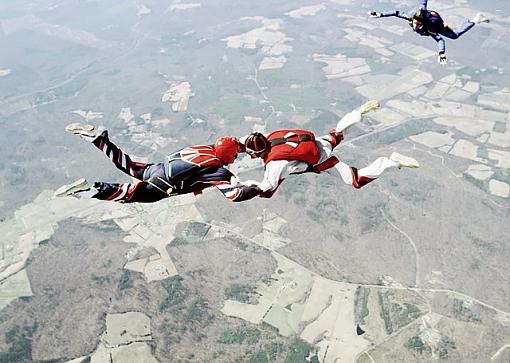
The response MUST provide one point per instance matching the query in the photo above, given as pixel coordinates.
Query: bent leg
(336, 135)
(454, 34)
(120, 159)
(359, 178)
(328, 142)
(348, 120)
(377, 167)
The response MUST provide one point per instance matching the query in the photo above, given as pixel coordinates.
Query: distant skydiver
(288, 152)
(429, 23)
(189, 170)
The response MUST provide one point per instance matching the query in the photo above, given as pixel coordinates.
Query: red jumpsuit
(293, 157)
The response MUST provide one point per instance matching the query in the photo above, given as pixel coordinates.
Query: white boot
(86, 132)
(480, 18)
(369, 106)
(79, 185)
(404, 161)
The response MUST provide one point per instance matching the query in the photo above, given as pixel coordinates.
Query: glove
(442, 59)
(267, 194)
(374, 14)
(251, 183)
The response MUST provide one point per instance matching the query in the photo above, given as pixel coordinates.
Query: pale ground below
(306, 11)
(178, 95)
(123, 341)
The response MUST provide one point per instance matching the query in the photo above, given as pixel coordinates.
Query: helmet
(418, 19)
(226, 149)
(257, 144)
(420, 15)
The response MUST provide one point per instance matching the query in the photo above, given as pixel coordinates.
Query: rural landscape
(411, 268)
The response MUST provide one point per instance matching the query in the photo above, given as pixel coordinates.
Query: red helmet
(256, 144)
(226, 149)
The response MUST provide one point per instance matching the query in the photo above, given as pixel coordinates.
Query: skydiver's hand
(267, 194)
(374, 14)
(442, 59)
(251, 183)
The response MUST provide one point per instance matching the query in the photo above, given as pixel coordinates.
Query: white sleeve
(275, 171)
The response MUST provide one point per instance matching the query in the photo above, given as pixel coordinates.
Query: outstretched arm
(233, 189)
(440, 42)
(245, 192)
(442, 48)
(237, 192)
(396, 13)
(274, 174)
(229, 185)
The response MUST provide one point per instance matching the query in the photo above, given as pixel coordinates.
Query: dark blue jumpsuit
(433, 25)
(166, 179)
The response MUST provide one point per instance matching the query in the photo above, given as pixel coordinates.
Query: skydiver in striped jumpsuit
(189, 170)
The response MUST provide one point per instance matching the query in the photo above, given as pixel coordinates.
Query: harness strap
(164, 186)
(328, 163)
(283, 140)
